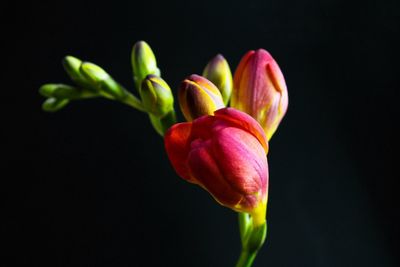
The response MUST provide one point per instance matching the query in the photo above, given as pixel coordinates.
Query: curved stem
(252, 237)
(244, 224)
(246, 259)
(133, 101)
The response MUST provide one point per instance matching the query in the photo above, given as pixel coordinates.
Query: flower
(259, 89)
(198, 96)
(226, 155)
(219, 73)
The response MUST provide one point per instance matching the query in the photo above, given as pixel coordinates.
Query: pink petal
(243, 121)
(241, 159)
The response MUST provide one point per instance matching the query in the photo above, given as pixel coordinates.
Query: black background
(91, 185)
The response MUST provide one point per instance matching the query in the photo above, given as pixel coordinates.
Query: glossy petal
(260, 90)
(177, 145)
(226, 155)
(244, 121)
(241, 159)
(204, 167)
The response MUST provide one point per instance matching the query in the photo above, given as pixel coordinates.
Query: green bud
(72, 66)
(101, 80)
(219, 73)
(54, 104)
(156, 96)
(93, 73)
(60, 91)
(143, 62)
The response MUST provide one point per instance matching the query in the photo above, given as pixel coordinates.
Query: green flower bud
(54, 104)
(72, 66)
(218, 72)
(101, 80)
(60, 91)
(143, 62)
(156, 96)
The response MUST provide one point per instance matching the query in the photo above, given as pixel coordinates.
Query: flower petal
(177, 145)
(203, 166)
(241, 160)
(243, 121)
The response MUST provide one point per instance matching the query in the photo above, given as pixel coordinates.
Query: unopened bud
(156, 96)
(198, 96)
(143, 62)
(219, 73)
(101, 80)
(53, 104)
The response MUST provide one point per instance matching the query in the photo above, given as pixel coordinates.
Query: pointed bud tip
(143, 62)
(140, 43)
(47, 89)
(93, 72)
(53, 104)
(219, 57)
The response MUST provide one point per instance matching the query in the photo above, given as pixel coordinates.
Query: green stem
(133, 101)
(246, 259)
(252, 237)
(244, 224)
(161, 125)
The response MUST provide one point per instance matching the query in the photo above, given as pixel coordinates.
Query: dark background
(91, 185)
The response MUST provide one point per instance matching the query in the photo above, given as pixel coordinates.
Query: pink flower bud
(259, 89)
(226, 155)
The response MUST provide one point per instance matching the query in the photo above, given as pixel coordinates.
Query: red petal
(201, 127)
(203, 166)
(177, 145)
(241, 159)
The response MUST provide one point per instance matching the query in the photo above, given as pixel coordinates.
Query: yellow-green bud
(143, 62)
(59, 90)
(54, 104)
(72, 66)
(156, 96)
(101, 80)
(219, 73)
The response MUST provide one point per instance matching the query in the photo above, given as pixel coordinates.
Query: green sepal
(244, 225)
(255, 238)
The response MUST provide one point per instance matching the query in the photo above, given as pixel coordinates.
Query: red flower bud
(259, 89)
(226, 155)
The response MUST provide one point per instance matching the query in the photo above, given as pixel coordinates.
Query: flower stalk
(252, 237)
